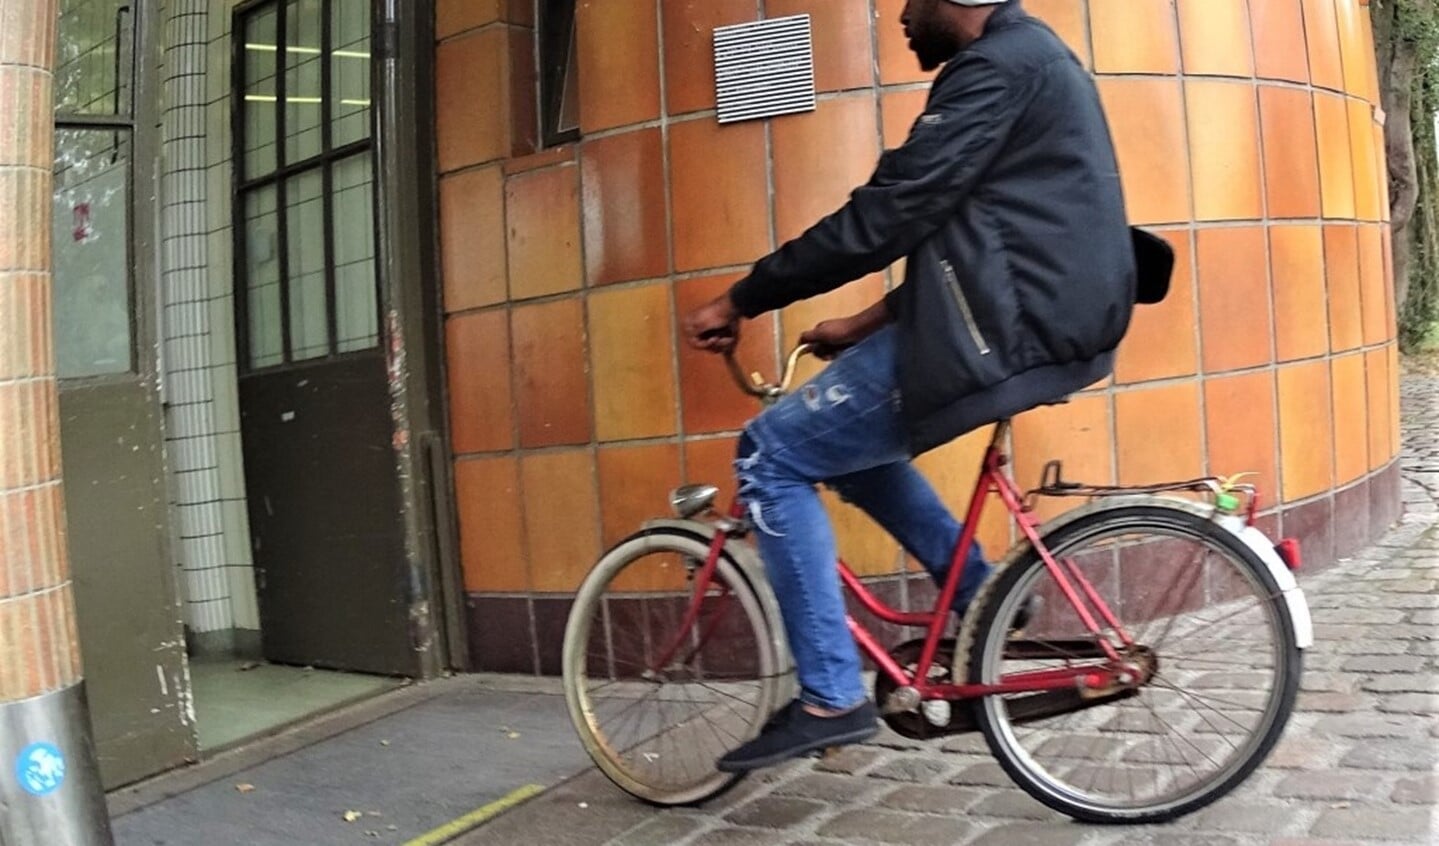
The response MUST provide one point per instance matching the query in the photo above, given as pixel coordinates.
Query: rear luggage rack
(1222, 492)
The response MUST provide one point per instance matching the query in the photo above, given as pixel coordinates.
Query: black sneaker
(793, 732)
(1033, 604)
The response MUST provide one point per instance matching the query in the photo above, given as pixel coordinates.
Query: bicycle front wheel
(1213, 644)
(655, 701)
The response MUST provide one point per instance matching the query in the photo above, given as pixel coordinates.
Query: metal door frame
(404, 88)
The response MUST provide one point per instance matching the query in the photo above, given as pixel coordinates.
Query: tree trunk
(1396, 58)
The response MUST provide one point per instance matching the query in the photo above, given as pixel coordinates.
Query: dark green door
(112, 441)
(331, 572)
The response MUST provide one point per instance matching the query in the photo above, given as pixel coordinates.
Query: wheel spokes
(1196, 712)
(665, 700)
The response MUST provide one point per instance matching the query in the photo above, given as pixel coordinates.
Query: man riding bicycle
(1020, 281)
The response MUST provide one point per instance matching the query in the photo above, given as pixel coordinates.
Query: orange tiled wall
(1247, 136)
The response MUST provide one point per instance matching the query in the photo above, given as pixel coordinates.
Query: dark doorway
(320, 470)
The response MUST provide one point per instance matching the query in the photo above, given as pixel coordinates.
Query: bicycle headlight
(689, 500)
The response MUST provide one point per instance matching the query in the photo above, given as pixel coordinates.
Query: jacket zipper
(964, 309)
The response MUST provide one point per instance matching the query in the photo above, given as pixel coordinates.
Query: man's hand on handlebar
(831, 337)
(714, 326)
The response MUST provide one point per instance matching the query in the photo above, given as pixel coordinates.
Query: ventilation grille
(763, 69)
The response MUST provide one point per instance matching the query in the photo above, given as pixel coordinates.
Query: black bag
(1154, 263)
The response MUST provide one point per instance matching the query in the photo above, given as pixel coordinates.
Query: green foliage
(1417, 22)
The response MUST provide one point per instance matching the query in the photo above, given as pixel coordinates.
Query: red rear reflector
(1288, 550)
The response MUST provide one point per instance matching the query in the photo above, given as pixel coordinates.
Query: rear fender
(1251, 537)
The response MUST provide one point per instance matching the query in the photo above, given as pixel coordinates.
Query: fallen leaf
(244, 788)
(351, 816)
(584, 804)
(514, 735)
(393, 827)
(247, 666)
(372, 834)
(373, 814)
(384, 743)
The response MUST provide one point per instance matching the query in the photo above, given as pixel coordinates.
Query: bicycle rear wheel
(656, 704)
(1214, 644)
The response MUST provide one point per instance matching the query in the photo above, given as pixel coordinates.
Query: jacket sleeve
(913, 190)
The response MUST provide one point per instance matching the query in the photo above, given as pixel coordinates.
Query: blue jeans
(842, 428)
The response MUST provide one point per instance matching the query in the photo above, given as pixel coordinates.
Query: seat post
(1001, 431)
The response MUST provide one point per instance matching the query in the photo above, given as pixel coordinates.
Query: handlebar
(755, 385)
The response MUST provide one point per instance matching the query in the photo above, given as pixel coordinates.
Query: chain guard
(947, 718)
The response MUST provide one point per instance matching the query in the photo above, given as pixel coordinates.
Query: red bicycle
(1155, 674)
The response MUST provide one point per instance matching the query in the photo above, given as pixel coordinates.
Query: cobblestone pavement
(1359, 763)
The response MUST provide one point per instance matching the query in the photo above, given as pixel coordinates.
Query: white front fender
(750, 564)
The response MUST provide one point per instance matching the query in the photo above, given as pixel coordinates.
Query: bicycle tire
(608, 753)
(1009, 585)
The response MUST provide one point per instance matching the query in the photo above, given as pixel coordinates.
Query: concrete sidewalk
(1357, 764)
(400, 766)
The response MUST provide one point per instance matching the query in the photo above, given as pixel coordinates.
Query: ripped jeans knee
(755, 475)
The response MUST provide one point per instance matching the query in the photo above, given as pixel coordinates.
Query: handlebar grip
(764, 391)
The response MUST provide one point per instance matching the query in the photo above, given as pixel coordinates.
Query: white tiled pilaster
(203, 425)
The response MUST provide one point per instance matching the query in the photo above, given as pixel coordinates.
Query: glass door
(105, 299)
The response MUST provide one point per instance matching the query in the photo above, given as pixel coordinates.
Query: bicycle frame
(1080, 594)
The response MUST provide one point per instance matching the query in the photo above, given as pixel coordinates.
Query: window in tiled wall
(94, 45)
(559, 88)
(92, 296)
(305, 252)
(92, 290)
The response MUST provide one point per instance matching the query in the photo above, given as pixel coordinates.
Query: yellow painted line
(473, 819)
